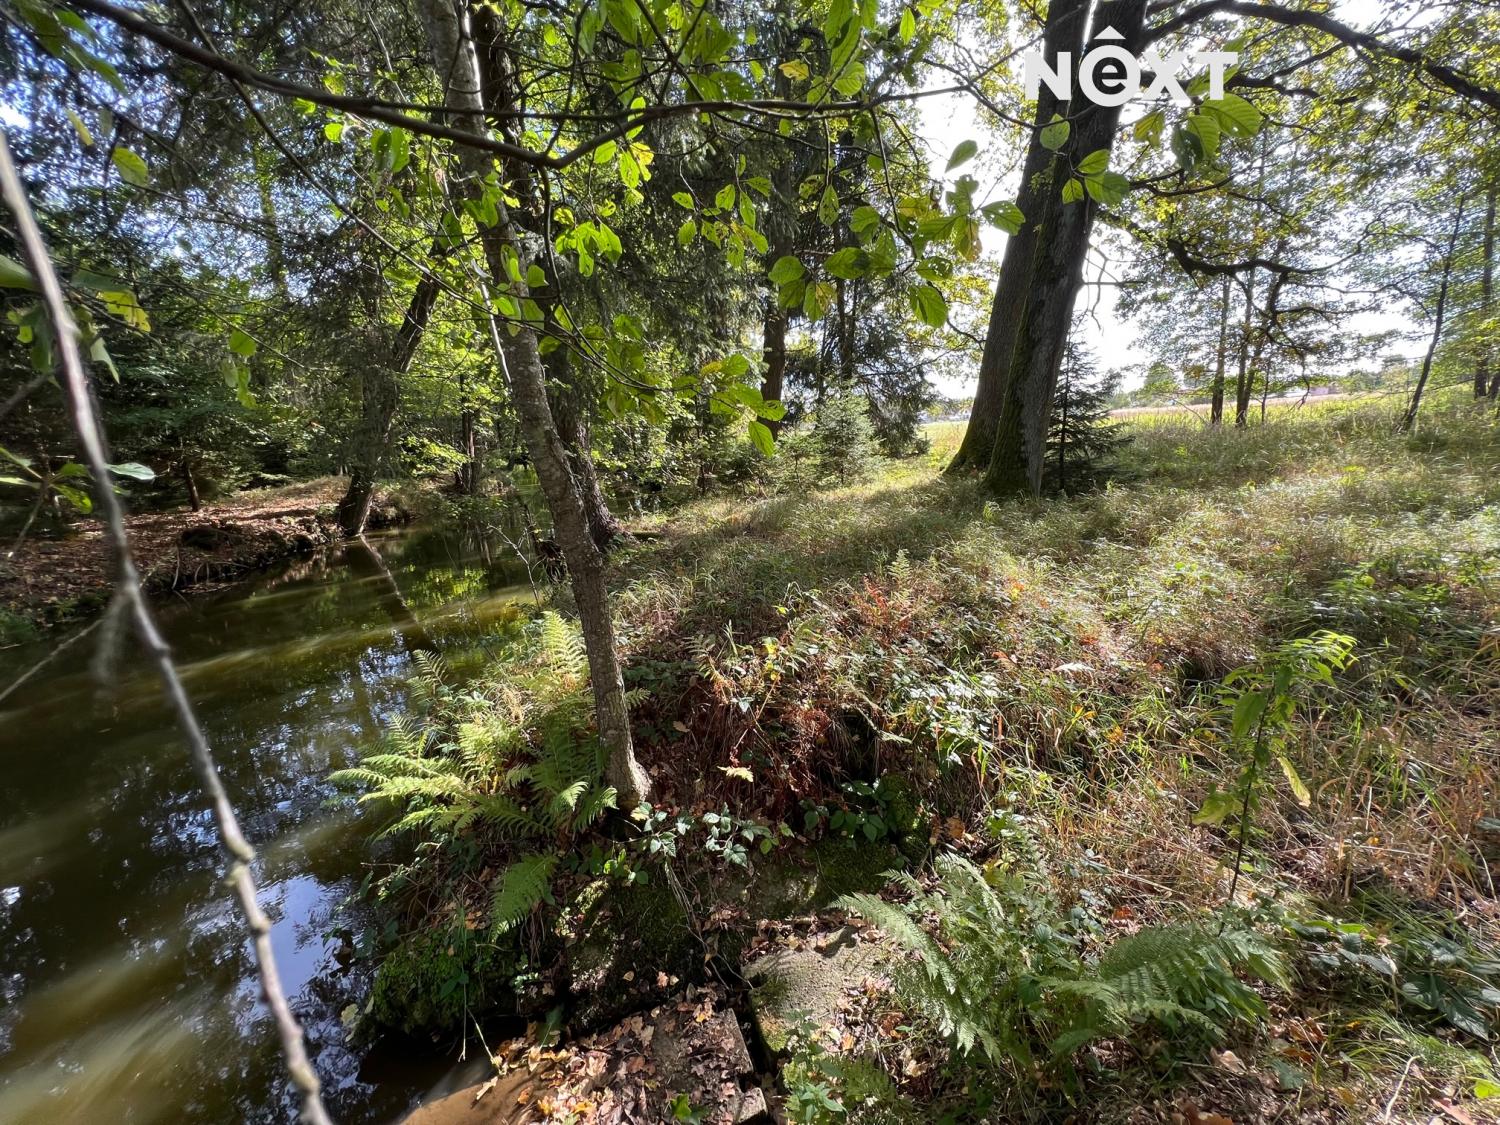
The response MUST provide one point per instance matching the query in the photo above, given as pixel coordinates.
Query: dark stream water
(127, 992)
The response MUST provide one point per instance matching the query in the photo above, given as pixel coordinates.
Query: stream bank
(52, 580)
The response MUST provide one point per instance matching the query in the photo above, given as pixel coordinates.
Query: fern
(513, 764)
(986, 959)
(519, 889)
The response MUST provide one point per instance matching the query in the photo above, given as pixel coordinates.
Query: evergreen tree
(1082, 441)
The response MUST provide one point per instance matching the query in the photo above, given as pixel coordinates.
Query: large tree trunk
(455, 60)
(1216, 413)
(780, 227)
(1410, 418)
(1482, 382)
(379, 394)
(573, 425)
(1063, 32)
(1016, 462)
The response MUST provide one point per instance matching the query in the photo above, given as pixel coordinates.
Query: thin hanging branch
(128, 589)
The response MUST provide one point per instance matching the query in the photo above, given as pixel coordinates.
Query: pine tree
(1082, 442)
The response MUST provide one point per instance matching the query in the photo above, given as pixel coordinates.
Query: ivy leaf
(962, 154)
(930, 305)
(1055, 135)
(131, 167)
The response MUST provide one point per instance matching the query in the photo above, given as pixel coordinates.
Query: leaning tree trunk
(454, 59)
(1063, 31)
(380, 392)
(1018, 457)
(1410, 418)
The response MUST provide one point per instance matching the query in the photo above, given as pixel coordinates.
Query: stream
(127, 988)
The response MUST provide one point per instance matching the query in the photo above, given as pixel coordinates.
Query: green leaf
(908, 26)
(1235, 115)
(787, 268)
(1108, 187)
(828, 207)
(683, 199)
(848, 263)
(1149, 128)
(13, 275)
(1299, 789)
(241, 344)
(1055, 135)
(1072, 191)
(1095, 162)
(75, 496)
(334, 131)
(131, 167)
(761, 437)
(1003, 214)
(930, 305)
(100, 354)
(1248, 710)
(864, 219)
(1484, 1089)
(796, 70)
(1217, 807)
(724, 200)
(536, 277)
(1206, 128)
(962, 154)
(686, 232)
(80, 128)
(132, 469)
(605, 152)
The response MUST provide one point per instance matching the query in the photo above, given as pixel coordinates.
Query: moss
(431, 981)
(625, 945)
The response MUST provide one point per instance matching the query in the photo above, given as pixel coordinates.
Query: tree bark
(1482, 382)
(380, 392)
(1016, 462)
(456, 62)
(1242, 383)
(1216, 414)
(1437, 328)
(1063, 31)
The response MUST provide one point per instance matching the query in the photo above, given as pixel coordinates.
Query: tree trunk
(572, 425)
(1437, 328)
(1057, 273)
(1216, 414)
(781, 231)
(1242, 383)
(195, 502)
(520, 358)
(380, 392)
(1482, 381)
(1063, 32)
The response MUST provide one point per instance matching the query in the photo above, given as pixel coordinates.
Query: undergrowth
(902, 660)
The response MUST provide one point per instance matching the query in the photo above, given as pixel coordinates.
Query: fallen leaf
(1229, 1061)
(1457, 1112)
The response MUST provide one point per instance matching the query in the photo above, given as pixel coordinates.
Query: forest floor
(53, 578)
(1044, 688)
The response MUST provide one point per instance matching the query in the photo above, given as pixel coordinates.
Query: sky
(947, 120)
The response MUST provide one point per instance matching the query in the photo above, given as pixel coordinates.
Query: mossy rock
(625, 944)
(429, 981)
(789, 883)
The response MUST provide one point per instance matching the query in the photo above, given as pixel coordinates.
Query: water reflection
(127, 992)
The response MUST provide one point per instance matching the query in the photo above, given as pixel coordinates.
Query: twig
(1390, 1105)
(15, 684)
(90, 433)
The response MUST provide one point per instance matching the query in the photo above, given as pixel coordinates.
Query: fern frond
(519, 889)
